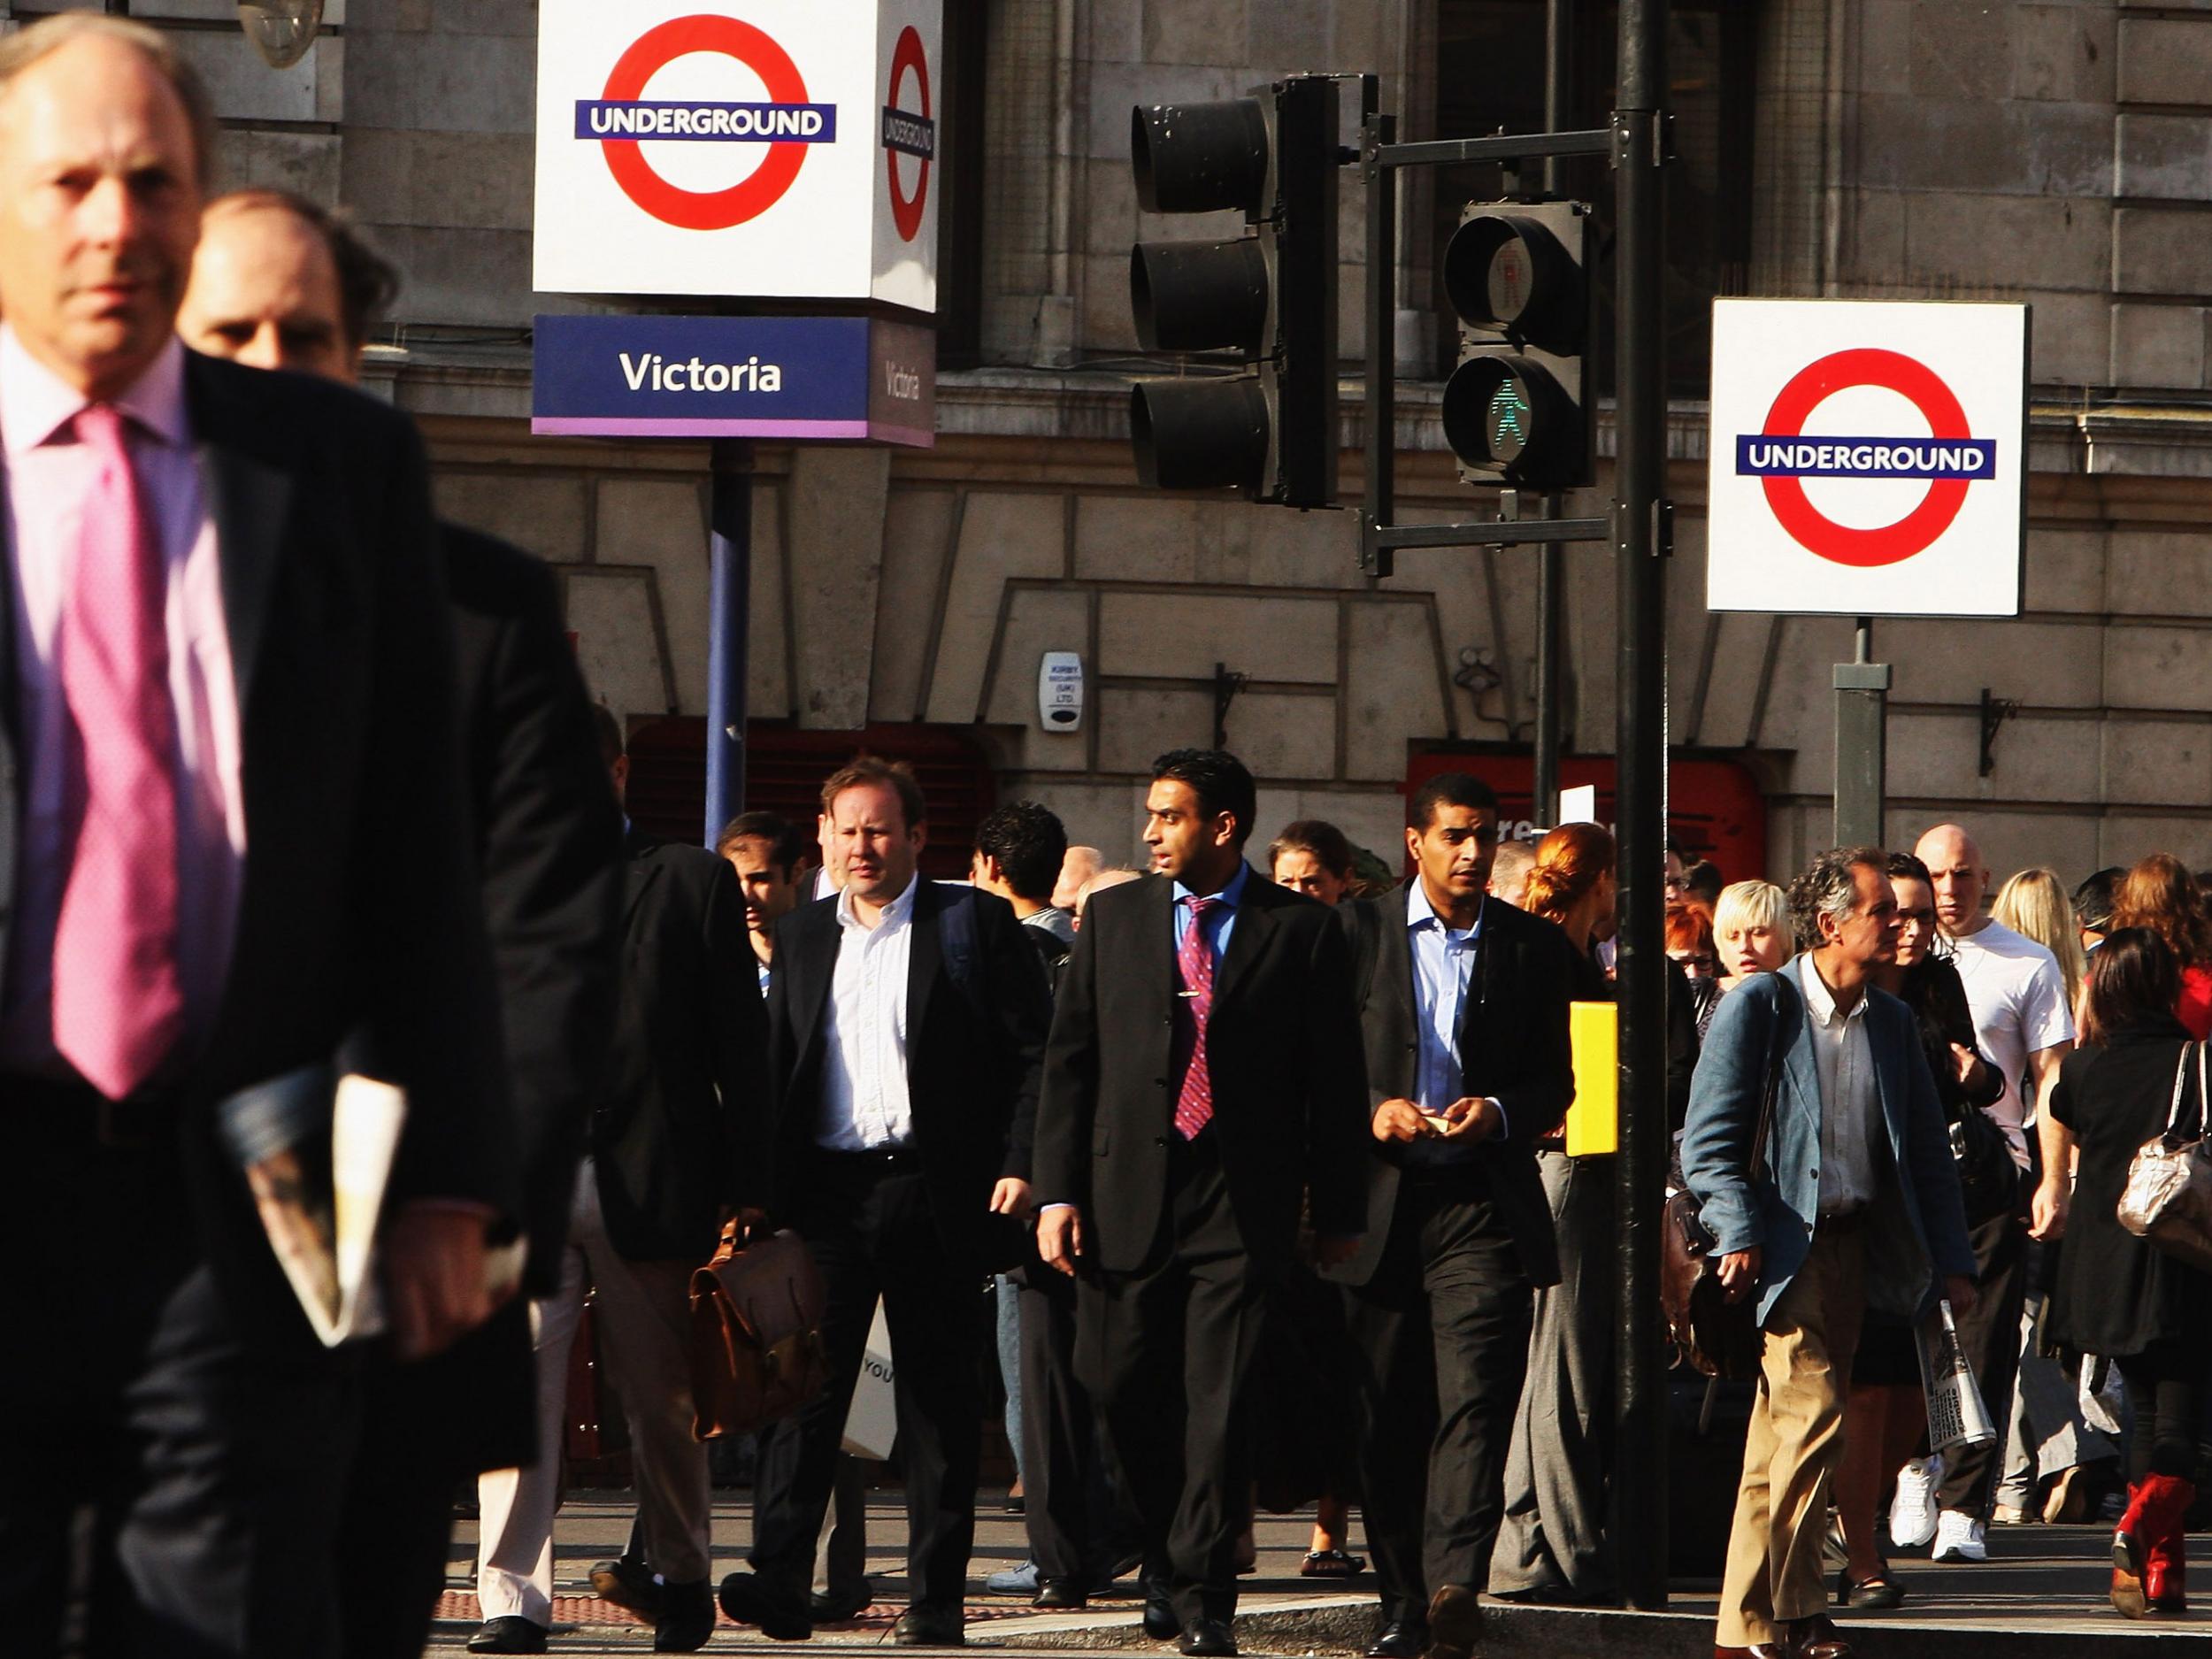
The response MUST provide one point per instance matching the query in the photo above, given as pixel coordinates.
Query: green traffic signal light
(1512, 419)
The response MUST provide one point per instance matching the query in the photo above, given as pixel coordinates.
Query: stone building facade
(2059, 153)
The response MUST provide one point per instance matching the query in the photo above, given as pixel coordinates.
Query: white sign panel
(1868, 457)
(745, 149)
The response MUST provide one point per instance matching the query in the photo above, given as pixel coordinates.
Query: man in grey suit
(1855, 1201)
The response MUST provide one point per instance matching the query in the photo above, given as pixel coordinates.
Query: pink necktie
(1194, 1105)
(118, 1005)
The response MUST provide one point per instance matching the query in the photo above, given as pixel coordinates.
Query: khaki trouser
(1794, 1444)
(644, 1312)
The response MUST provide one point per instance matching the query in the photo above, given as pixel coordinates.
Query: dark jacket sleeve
(1681, 1043)
(422, 965)
(552, 840)
(1067, 1100)
(1337, 1114)
(1536, 1103)
(1935, 1173)
(1954, 1015)
(1022, 1002)
(732, 1011)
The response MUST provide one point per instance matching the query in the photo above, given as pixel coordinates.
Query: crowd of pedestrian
(1264, 1166)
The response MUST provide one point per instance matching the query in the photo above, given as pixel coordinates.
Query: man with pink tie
(232, 844)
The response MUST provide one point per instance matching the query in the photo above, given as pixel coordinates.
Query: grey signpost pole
(1862, 743)
(730, 564)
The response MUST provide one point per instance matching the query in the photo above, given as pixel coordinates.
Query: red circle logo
(1813, 384)
(704, 210)
(906, 212)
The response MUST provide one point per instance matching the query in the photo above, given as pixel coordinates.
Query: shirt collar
(1421, 913)
(1231, 895)
(1819, 999)
(895, 914)
(35, 402)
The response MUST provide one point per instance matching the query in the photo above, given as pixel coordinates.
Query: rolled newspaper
(1957, 1415)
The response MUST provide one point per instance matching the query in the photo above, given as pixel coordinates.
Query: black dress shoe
(1400, 1639)
(1161, 1620)
(1455, 1622)
(748, 1600)
(686, 1617)
(836, 1610)
(930, 1627)
(1207, 1639)
(629, 1582)
(1064, 1594)
(508, 1635)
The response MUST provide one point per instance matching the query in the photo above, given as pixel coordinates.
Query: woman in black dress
(1885, 1417)
(2116, 1294)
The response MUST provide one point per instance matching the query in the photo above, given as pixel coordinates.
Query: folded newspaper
(316, 1150)
(1957, 1415)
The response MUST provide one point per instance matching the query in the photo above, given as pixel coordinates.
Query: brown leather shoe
(1757, 1650)
(1455, 1622)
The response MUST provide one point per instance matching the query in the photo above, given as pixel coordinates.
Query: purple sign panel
(856, 379)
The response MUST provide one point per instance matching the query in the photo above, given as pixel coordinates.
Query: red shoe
(2129, 1547)
(2165, 1563)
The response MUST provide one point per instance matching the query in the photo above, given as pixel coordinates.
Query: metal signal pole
(1641, 538)
(1559, 24)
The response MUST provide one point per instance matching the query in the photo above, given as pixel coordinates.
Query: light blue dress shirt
(1219, 920)
(1444, 960)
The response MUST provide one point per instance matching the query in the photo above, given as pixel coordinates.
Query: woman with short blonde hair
(1751, 931)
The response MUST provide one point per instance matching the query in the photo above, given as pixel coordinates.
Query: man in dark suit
(279, 283)
(1201, 1085)
(906, 1024)
(676, 1143)
(1464, 1017)
(234, 843)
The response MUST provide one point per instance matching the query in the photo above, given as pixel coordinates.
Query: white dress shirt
(49, 479)
(865, 1104)
(1848, 1107)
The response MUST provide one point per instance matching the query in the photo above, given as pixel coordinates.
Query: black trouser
(425, 1428)
(1077, 1527)
(209, 1466)
(1990, 1338)
(1439, 1338)
(2166, 1386)
(868, 1223)
(1168, 1353)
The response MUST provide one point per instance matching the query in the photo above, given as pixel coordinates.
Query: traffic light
(1269, 294)
(1517, 410)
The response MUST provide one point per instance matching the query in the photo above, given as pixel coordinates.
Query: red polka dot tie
(119, 1002)
(1194, 961)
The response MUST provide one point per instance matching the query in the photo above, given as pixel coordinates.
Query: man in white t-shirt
(2023, 1026)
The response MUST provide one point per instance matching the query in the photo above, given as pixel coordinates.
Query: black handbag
(1989, 1180)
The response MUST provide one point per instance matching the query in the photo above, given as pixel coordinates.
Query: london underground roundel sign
(1867, 457)
(737, 147)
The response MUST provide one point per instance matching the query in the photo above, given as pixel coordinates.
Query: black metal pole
(1380, 414)
(1862, 748)
(1640, 1484)
(1559, 23)
(730, 576)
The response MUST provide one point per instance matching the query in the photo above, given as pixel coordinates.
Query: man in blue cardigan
(1855, 1201)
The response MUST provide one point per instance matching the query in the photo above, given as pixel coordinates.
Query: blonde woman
(1751, 931)
(2034, 903)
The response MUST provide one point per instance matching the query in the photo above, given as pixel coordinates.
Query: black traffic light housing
(1269, 296)
(1518, 410)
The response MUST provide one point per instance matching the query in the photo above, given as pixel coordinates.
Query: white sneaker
(1912, 1512)
(1958, 1538)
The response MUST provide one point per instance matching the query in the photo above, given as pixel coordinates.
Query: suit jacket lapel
(1255, 922)
(250, 498)
(812, 966)
(1800, 1070)
(11, 729)
(925, 960)
(1401, 1007)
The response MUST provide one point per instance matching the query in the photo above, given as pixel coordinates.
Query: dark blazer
(1283, 1049)
(360, 927)
(550, 840)
(679, 1128)
(2118, 1295)
(1514, 1048)
(976, 1010)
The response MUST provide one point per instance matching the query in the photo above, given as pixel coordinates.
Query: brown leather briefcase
(755, 1334)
